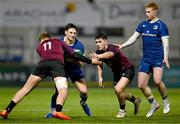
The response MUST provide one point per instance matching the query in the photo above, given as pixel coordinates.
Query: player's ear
(65, 32)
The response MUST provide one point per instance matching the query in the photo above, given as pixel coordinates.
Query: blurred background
(21, 22)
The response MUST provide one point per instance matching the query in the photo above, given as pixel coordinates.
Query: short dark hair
(101, 35)
(70, 25)
(44, 35)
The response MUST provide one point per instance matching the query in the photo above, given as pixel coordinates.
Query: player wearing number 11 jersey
(51, 52)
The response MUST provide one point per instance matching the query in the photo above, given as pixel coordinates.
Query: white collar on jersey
(154, 20)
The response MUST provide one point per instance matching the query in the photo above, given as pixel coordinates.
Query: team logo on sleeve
(76, 50)
(155, 27)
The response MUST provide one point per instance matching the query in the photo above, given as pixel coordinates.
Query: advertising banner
(11, 75)
(57, 13)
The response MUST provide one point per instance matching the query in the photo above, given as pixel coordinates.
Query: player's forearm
(106, 55)
(131, 40)
(82, 58)
(99, 71)
(165, 41)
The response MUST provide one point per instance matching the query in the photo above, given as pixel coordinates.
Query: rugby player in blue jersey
(123, 72)
(155, 38)
(73, 68)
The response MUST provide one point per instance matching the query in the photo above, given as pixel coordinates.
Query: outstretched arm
(131, 40)
(82, 58)
(106, 55)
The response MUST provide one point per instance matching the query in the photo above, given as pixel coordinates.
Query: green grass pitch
(102, 101)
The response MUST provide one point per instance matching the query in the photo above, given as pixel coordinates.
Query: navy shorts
(128, 73)
(52, 68)
(147, 67)
(75, 74)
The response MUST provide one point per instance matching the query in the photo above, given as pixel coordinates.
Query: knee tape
(61, 83)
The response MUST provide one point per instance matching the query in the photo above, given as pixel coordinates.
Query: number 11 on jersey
(47, 46)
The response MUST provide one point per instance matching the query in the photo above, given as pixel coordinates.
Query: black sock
(122, 107)
(151, 100)
(83, 97)
(164, 97)
(59, 107)
(11, 105)
(53, 100)
(132, 99)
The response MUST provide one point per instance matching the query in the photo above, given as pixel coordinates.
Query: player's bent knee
(61, 83)
(119, 91)
(140, 86)
(83, 90)
(157, 82)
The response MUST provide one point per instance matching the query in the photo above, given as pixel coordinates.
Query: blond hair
(44, 35)
(154, 6)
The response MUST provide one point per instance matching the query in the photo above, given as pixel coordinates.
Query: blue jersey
(152, 32)
(73, 66)
(78, 47)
